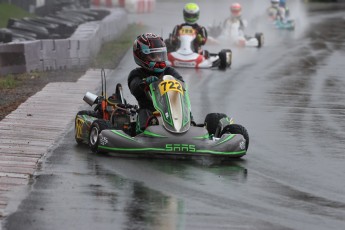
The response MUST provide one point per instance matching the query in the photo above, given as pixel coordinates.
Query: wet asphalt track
(290, 95)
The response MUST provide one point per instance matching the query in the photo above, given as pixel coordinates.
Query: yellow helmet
(191, 13)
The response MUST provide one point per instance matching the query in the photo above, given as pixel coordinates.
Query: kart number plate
(170, 85)
(187, 31)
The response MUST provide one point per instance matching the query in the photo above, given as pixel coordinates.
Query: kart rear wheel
(212, 120)
(292, 24)
(260, 38)
(90, 113)
(225, 57)
(96, 128)
(237, 129)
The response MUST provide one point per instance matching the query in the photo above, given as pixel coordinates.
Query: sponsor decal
(103, 141)
(82, 125)
(242, 144)
(180, 148)
(185, 64)
(187, 30)
(79, 127)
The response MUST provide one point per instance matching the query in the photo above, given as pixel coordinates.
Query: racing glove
(199, 38)
(151, 79)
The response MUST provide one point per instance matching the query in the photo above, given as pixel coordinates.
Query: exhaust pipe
(90, 98)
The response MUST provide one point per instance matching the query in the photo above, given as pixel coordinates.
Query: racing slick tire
(237, 129)
(260, 38)
(292, 23)
(90, 113)
(211, 122)
(225, 57)
(96, 128)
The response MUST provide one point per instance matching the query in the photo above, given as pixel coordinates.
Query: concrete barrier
(74, 52)
(54, 54)
(12, 58)
(33, 57)
(74, 61)
(111, 30)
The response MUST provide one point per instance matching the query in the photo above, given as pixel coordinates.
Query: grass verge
(9, 82)
(111, 52)
(11, 11)
(108, 57)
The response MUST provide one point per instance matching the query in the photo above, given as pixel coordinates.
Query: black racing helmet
(150, 52)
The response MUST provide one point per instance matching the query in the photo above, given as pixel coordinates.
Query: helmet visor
(235, 12)
(156, 54)
(190, 17)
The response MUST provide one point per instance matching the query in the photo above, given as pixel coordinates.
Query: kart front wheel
(225, 57)
(90, 113)
(211, 122)
(96, 128)
(237, 129)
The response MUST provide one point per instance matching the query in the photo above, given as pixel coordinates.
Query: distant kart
(284, 25)
(110, 127)
(279, 22)
(184, 56)
(235, 35)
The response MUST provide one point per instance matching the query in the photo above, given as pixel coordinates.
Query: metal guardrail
(57, 54)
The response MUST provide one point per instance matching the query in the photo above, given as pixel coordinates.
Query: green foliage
(111, 52)
(11, 11)
(8, 82)
(108, 57)
(11, 81)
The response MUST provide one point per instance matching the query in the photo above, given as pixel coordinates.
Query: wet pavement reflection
(289, 95)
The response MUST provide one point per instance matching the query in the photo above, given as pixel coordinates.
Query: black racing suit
(173, 41)
(137, 85)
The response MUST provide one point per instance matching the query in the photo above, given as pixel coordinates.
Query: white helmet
(236, 9)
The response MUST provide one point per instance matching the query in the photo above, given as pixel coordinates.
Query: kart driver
(235, 16)
(191, 13)
(150, 53)
(282, 4)
(276, 11)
